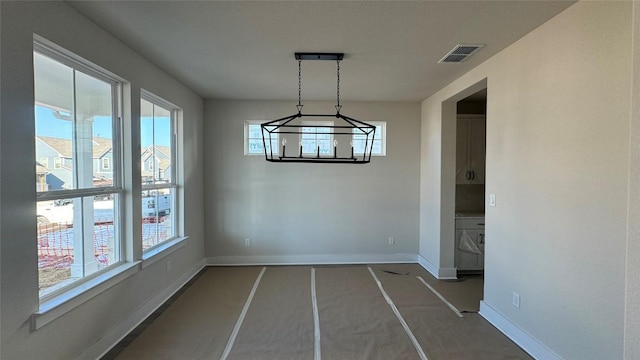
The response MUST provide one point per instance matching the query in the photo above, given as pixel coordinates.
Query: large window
(253, 142)
(316, 138)
(158, 170)
(77, 111)
(379, 140)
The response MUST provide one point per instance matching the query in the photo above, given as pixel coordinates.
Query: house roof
(64, 147)
(162, 155)
(41, 169)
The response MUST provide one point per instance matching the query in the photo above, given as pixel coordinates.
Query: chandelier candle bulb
(300, 148)
(335, 148)
(284, 145)
(318, 150)
(352, 149)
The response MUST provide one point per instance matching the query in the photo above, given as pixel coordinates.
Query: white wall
(96, 321)
(310, 212)
(632, 311)
(558, 117)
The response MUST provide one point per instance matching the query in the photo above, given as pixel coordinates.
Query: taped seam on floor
(441, 297)
(399, 316)
(243, 313)
(316, 318)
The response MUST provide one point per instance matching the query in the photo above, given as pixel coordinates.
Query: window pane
(53, 90)
(73, 142)
(67, 251)
(157, 152)
(158, 216)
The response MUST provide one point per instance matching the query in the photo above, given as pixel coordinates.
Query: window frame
(382, 134)
(174, 184)
(79, 64)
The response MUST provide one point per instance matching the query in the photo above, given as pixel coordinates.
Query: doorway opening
(469, 238)
(471, 115)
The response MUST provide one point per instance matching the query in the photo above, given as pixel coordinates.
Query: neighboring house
(102, 161)
(156, 163)
(56, 154)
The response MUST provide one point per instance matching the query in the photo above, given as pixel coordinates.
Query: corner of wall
(116, 334)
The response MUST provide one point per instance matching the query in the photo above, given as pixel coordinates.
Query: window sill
(164, 249)
(74, 297)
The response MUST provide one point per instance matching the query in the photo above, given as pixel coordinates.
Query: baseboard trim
(100, 348)
(527, 342)
(309, 259)
(438, 273)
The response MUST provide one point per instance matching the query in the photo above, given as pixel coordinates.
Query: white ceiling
(244, 49)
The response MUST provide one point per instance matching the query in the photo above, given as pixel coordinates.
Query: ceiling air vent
(460, 53)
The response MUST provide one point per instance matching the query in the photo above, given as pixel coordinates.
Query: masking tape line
(236, 328)
(399, 316)
(316, 319)
(441, 297)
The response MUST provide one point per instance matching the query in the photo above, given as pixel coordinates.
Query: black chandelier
(327, 138)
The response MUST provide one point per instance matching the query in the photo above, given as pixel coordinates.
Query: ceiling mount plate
(319, 56)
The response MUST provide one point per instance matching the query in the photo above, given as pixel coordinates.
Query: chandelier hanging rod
(319, 56)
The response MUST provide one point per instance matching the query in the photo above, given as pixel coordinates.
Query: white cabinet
(470, 149)
(473, 228)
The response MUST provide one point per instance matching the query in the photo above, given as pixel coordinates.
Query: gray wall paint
(69, 335)
(294, 210)
(558, 161)
(632, 310)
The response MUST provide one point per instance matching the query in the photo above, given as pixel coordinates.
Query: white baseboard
(527, 342)
(309, 259)
(100, 348)
(438, 273)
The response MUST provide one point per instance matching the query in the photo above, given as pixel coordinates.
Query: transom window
(77, 112)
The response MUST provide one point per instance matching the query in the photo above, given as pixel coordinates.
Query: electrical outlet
(516, 300)
(492, 200)
(247, 242)
(392, 240)
(169, 266)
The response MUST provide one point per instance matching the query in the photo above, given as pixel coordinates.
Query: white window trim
(106, 164)
(246, 138)
(383, 137)
(177, 211)
(68, 291)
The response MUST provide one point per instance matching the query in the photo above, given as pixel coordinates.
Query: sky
(49, 125)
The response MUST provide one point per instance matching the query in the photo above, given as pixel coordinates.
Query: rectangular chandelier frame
(287, 126)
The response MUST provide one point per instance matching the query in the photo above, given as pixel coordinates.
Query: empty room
(319, 180)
